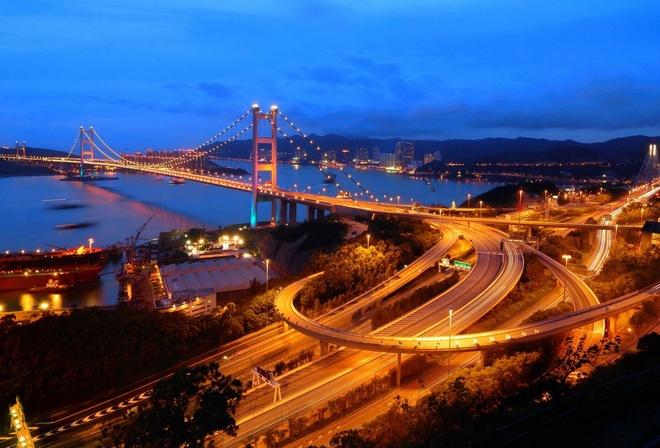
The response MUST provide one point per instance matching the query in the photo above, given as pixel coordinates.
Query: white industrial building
(228, 277)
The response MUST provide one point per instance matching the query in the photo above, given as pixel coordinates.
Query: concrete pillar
(610, 324)
(274, 218)
(283, 212)
(311, 214)
(324, 347)
(482, 353)
(398, 369)
(293, 208)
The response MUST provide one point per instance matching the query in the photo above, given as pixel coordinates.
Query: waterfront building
(387, 159)
(227, 277)
(428, 158)
(405, 153)
(375, 154)
(362, 156)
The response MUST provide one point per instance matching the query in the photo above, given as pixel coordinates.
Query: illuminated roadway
(301, 392)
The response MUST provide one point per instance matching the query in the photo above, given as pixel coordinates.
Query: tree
(183, 410)
(350, 439)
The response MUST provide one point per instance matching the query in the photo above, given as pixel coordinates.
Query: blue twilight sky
(173, 73)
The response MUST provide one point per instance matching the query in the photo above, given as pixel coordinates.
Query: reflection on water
(26, 301)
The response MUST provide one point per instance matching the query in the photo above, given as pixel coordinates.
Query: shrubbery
(386, 313)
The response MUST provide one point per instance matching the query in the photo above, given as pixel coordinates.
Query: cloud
(215, 89)
(603, 104)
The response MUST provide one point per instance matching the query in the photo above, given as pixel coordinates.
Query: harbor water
(42, 212)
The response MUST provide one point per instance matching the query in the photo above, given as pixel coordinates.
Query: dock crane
(137, 235)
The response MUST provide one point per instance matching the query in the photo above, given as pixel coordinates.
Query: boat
(176, 181)
(22, 271)
(329, 178)
(52, 285)
(73, 225)
(86, 178)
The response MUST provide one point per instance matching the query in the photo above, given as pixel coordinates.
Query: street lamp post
(520, 194)
(91, 240)
(469, 201)
(566, 258)
(480, 203)
(267, 264)
(368, 236)
(449, 351)
(398, 200)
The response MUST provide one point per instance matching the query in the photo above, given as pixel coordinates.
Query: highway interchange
(358, 353)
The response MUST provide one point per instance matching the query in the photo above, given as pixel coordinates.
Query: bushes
(387, 313)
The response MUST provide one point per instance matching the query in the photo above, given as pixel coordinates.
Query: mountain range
(617, 151)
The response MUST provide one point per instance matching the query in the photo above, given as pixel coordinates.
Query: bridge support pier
(274, 213)
(287, 212)
(610, 324)
(314, 213)
(325, 347)
(293, 209)
(398, 369)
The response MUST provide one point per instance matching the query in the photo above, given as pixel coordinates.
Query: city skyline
(169, 75)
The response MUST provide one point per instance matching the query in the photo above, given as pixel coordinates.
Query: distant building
(362, 156)
(387, 159)
(405, 153)
(375, 154)
(330, 156)
(428, 158)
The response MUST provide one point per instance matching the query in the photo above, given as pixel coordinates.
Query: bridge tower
(20, 150)
(86, 146)
(650, 171)
(257, 165)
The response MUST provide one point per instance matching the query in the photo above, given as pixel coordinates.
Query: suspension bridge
(89, 150)
(261, 131)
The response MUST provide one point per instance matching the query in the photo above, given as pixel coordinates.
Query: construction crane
(137, 235)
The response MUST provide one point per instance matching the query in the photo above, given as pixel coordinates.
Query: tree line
(362, 263)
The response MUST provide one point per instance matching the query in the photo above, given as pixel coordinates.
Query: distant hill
(620, 151)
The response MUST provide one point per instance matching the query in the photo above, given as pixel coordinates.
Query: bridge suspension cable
(318, 148)
(199, 151)
(75, 142)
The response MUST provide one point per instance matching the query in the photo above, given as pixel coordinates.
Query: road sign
(462, 264)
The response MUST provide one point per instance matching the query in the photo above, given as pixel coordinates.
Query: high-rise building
(387, 159)
(405, 153)
(362, 156)
(375, 154)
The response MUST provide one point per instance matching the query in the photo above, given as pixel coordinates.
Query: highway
(360, 354)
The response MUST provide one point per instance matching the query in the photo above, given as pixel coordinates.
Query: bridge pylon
(268, 166)
(86, 146)
(650, 172)
(20, 150)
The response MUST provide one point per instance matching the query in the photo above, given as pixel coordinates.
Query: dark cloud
(215, 89)
(601, 105)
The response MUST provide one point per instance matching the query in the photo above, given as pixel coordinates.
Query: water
(114, 211)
